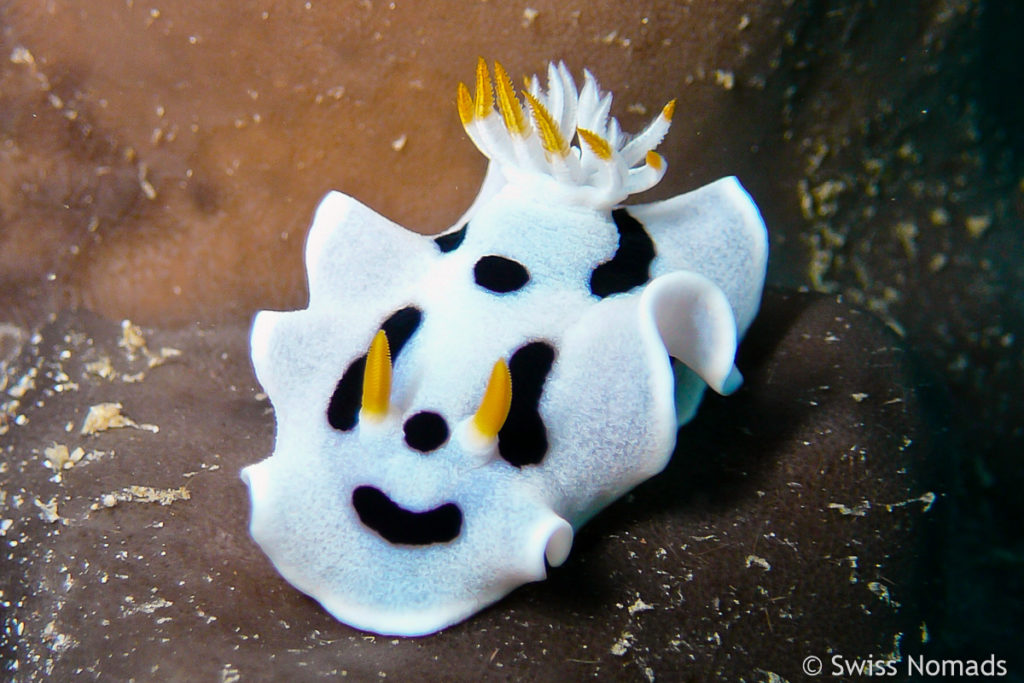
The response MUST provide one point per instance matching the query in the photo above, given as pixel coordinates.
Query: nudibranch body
(450, 409)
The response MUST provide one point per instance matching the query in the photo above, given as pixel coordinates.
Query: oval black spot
(630, 266)
(452, 240)
(425, 431)
(397, 525)
(523, 439)
(500, 275)
(343, 409)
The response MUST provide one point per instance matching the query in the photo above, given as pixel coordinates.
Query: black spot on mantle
(343, 410)
(452, 240)
(395, 524)
(631, 264)
(500, 274)
(523, 439)
(426, 431)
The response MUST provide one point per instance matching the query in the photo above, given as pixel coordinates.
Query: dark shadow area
(997, 73)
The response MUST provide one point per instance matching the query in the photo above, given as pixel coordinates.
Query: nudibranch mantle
(450, 409)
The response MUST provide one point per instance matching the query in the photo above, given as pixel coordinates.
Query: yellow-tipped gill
(483, 105)
(669, 110)
(377, 379)
(655, 160)
(493, 411)
(550, 134)
(597, 144)
(508, 103)
(465, 103)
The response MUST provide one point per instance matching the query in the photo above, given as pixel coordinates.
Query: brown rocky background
(160, 161)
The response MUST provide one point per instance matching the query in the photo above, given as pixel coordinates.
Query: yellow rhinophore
(490, 416)
(377, 379)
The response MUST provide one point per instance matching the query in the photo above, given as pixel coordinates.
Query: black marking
(398, 525)
(452, 240)
(523, 439)
(425, 431)
(400, 327)
(500, 275)
(631, 264)
(343, 410)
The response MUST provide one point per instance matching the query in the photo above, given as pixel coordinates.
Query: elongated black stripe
(395, 524)
(400, 327)
(630, 266)
(523, 439)
(343, 409)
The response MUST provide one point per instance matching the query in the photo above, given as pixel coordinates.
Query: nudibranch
(450, 409)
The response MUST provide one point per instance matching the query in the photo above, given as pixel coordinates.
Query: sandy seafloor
(883, 141)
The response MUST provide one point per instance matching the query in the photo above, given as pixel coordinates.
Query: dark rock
(795, 519)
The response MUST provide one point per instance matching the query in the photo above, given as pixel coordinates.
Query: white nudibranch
(450, 409)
